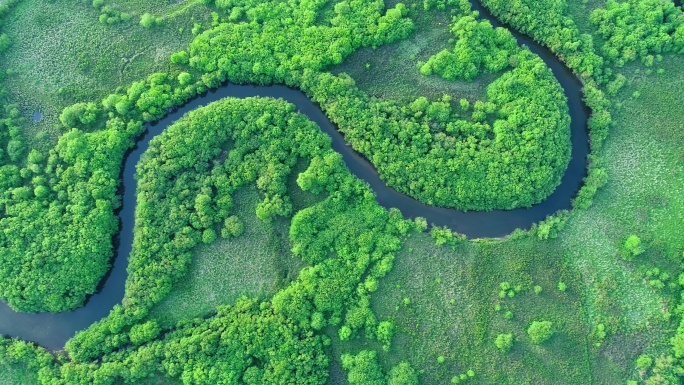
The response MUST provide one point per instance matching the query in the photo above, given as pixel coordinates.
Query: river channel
(52, 330)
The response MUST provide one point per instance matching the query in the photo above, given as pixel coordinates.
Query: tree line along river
(52, 330)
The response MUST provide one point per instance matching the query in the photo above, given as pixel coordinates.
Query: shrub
(402, 374)
(540, 331)
(631, 248)
(644, 362)
(148, 21)
(504, 342)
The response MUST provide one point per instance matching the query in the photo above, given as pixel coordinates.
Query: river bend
(52, 330)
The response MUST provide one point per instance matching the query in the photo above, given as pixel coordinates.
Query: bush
(504, 342)
(402, 374)
(644, 362)
(232, 227)
(631, 248)
(148, 21)
(540, 331)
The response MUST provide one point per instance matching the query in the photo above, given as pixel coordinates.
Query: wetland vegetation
(259, 257)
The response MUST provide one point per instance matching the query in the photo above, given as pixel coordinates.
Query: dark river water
(53, 330)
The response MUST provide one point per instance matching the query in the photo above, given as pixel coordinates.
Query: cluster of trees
(547, 22)
(5, 41)
(278, 38)
(599, 125)
(508, 152)
(12, 148)
(247, 343)
(479, 47)
(347, 239)
(59, 207)
(513, 146)
(148, 20)
(639, 29)
(58, 213)
(363, 369)
(183, 195)
(110, 14)
(113, 14)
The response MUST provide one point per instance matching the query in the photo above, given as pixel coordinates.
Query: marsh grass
(13, 374)
(453, 294)
(61, 54)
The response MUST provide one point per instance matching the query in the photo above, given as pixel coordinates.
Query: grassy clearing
(644, 196)
(61, 54)
(256, 264)
(451, 312)
(391, 71)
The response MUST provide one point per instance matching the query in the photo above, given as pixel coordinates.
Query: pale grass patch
(256, 264)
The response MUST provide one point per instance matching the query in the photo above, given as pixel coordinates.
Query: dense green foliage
(58, 210)
(504, 342)
(518, 167)
(364, 369)
(546, 22)
(540, 331)
(248, 343)
(639, 29)
(183, 193)
(478, 47)
(503, 155)
(60, 215)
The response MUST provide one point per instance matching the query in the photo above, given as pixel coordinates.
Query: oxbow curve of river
(52, 330)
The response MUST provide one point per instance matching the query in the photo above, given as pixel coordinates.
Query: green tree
(402, 374)
(540, 331)
(504, 342)
(632, 248)
(147, 20)
(644, 362)
(363, 368)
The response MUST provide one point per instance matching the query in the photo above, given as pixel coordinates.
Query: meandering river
(53, 330)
